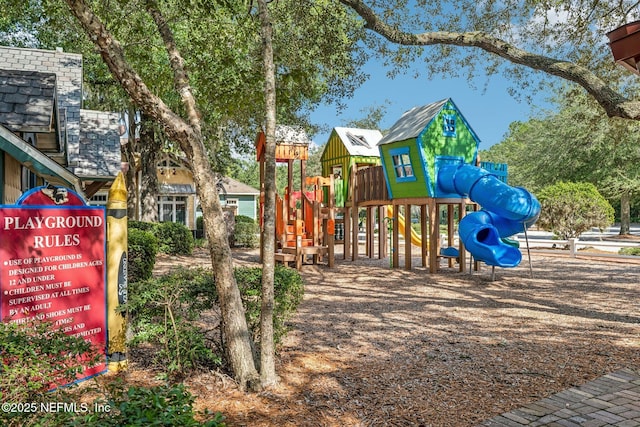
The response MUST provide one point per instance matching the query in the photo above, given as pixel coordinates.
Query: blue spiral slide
(505, 211)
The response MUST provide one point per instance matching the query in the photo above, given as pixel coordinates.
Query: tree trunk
(149, 150)
(128, 153)
(234, 326)
(188, 134)
(625, 212)
(268, 375)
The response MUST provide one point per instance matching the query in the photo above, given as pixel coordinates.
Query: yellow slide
(416, 240)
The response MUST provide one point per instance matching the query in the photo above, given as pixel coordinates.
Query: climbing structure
(429, 161)
(305, 216)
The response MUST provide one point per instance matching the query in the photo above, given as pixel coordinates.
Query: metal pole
(526, 238)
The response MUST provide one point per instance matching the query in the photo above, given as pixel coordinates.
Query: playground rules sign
(52, 268)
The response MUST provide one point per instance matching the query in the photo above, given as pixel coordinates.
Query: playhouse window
(449, 125)
(402, 165)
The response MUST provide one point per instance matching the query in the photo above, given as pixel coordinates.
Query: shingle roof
(86, 158)
(236, 187)
(291, 134)
(360, 142)
(165, 188)
(413, 122)
(27, 100)
(99, 150)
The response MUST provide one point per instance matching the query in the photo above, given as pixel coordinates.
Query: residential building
(45, 134)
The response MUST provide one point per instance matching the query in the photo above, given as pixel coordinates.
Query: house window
(449, 125)
(172, 209)
(402, 164)
(232, 202)
(98, 200)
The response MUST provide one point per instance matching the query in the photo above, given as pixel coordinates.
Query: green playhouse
(429, 158)
(346, 150)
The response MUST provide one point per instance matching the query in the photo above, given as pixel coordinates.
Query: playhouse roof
(414, 121)
(360, 142)
(288, 136)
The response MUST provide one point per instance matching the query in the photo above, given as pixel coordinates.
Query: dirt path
(371, 346)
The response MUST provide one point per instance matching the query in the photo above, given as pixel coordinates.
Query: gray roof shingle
(412, 122)
(99, 154)
(27, 100)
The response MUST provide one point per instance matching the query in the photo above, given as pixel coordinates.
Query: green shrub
(118, 405)
(629, 251)
(141, 225)
(141, 406)
(34, 356)
(174, 238)
(201, 243)
(288, 292)
(244, 218)
(143, 248)
(163, 312)
(569, 209)
(246, 232)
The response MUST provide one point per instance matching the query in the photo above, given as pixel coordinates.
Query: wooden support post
(424, 228)
(450, 225)
(353, 192)
(382, 233)
(396, 239)
(434, 235)
(356, 229)
(346, 232)
(369, 232)
(407, 237)
(462, 257)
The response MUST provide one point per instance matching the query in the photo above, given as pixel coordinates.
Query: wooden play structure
(427, 167)
(305, 217)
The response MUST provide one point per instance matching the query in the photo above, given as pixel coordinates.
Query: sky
(488, 111)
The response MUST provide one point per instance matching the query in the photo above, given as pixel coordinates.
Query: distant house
(45, 135)
(419, 143)
(240, 197)
(348, 148)
(178, 201)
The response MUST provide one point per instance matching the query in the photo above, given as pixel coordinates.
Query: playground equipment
(305, 218)
(429, 160)
(305, 223)
(414, 236)
(506, 211)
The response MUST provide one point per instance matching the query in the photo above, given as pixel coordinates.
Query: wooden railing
(370, 185)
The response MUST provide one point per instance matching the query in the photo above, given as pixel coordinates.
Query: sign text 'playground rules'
(52, 268)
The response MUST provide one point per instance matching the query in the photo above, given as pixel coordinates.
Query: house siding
(433, 142)
(336, 154)
(404, 189)
(12, 180)
(246, 205)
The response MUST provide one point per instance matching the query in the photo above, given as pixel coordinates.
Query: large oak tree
(561, 39)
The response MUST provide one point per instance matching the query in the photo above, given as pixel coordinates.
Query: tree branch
(180, 77)
(113, 55)
(614, 104)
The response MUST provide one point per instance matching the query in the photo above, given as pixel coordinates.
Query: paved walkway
(611, 400)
